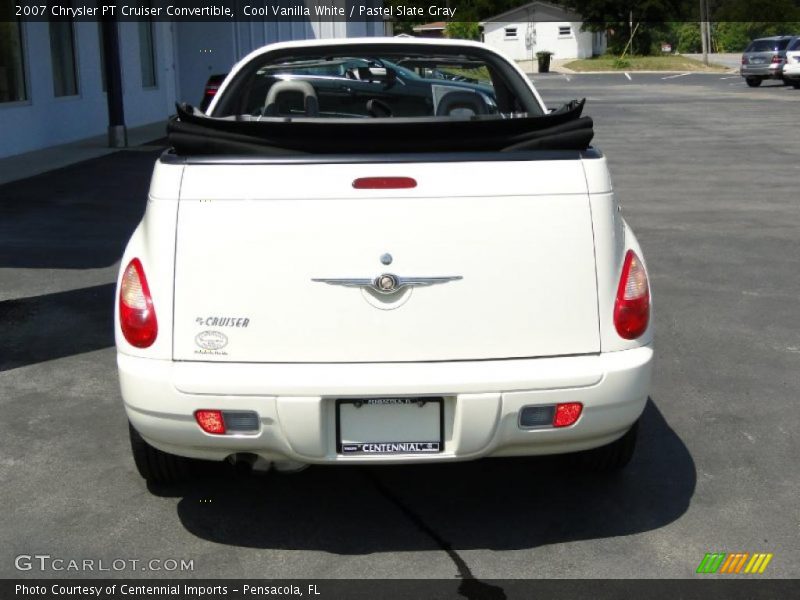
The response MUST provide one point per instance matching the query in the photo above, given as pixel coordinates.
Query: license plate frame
(390, 447)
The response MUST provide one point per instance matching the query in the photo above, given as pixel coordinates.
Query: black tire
(156, 466)
(611, 457)
(796, 85)
(753, 81)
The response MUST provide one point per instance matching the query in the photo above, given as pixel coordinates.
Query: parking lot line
(676, 76)
(628, 76)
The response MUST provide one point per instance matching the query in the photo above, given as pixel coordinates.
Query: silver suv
(764, 59)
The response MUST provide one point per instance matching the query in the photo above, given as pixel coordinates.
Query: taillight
(632, 307)
(210, 421)
(776, 59)
(745, 61)
(137, 316)
(211, 91)
(567, 413)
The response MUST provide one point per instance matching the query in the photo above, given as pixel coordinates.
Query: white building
(52, 80)
(522, 32)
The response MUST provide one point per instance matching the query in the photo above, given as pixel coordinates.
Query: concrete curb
(634, 72)
(28, 164)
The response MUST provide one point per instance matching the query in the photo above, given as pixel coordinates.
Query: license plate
(380, 426)
(756, 61)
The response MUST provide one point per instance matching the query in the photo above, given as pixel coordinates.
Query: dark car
(211, 89)
(764, 58)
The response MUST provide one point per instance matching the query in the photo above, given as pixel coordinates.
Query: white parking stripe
(676, 76)
(628, 76)
(734, 77)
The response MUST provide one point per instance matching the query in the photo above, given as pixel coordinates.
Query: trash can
(544, 61)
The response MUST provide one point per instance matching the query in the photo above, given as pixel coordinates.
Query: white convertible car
(381, 251)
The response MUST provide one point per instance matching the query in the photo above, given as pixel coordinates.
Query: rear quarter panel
(153, 242)
(612, 239)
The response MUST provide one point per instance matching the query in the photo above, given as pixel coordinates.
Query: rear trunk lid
(514, 240)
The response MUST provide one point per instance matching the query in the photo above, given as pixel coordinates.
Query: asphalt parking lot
(708, 171)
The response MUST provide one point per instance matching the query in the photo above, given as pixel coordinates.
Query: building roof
(537, 12)
(435, 26)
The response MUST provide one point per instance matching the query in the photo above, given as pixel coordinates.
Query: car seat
(462, 104)
(292, 86)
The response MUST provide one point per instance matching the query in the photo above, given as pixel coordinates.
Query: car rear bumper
(768, 71)
(297, 409)
(792, 72)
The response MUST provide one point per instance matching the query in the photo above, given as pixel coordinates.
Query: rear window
(767, 46)
(375, 85)
(795, 45)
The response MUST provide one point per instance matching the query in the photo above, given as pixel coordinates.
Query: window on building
(564, 31)
(62, 54)
(12, 64)
(511, 33)
(147, 54)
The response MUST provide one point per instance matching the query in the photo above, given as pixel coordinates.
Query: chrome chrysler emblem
(387, 283)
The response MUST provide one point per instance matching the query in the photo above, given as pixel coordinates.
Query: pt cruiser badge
(211, 340)
(387, 283)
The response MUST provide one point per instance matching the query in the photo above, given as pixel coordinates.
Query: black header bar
(418, 11)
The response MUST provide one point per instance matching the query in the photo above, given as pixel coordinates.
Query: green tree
(614, 16)
(688, 37)
(733, 36)
(466, 10)
(463, 30)
(763, 12)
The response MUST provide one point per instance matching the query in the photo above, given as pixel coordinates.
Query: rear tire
(796, 84)
(753, 81)
(155, 466)
(611, 457)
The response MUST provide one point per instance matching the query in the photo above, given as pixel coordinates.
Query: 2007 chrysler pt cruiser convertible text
(381, 251)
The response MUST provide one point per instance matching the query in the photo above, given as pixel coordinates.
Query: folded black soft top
(191, 133)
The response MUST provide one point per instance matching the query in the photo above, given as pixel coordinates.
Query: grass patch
(480, 73)
(670, 62)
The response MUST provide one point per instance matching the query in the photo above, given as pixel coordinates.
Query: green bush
(734, 36)
(647, 37)
(688, 35)
(621, 63)
(463, 30)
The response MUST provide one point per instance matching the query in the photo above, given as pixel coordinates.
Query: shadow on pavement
(77, 217)
(496, 504)
(42, 328)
